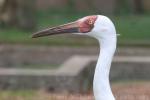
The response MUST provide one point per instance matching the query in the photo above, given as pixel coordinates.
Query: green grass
(17, 95)
(133, 30)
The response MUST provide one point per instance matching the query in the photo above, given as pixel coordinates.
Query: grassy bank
(133, 30)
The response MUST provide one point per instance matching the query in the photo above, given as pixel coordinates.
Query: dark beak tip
(34, 36)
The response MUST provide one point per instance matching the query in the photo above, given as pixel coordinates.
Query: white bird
(101, 28)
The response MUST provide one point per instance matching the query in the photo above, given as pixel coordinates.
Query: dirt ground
(121, 90)
(128, 91)
(134, 91)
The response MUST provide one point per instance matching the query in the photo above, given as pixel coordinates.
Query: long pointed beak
(62, 29)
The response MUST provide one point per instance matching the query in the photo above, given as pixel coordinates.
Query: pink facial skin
(86, 24)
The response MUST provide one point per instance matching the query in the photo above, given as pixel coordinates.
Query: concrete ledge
(74, 75)
(20, 56)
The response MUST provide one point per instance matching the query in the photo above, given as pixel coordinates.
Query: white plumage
(101, 28)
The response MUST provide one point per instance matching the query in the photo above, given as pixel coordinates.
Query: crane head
(83, 25)
(93, 25)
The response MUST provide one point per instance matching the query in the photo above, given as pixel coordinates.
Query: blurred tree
(124, 7)
(105, 6)
(92, 6)
(17, 13)
(71, 5)
(25, 14)
(138, 6)
(7, 11)
(146, 5)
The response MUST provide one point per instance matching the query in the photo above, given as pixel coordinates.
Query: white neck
(101, 85)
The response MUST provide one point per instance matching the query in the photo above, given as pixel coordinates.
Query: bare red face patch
(87, 23)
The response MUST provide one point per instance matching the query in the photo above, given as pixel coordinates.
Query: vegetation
(132, 90)
(133, 30)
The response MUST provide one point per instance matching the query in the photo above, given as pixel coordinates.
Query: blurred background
(29, 67)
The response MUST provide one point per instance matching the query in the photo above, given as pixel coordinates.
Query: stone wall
(74, 75)
(18, 55)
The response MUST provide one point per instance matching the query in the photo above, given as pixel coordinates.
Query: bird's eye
(90, 22)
